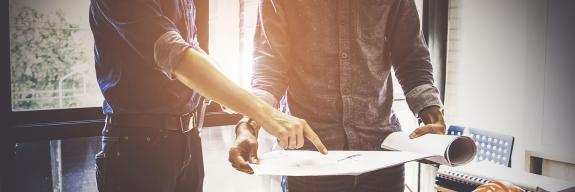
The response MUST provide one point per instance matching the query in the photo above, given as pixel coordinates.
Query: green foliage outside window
(48, 64)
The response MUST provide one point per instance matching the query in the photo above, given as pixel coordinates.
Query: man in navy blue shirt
(151, 72)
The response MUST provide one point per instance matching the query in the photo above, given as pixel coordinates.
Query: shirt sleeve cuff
(423, 96)
(168, 51)
(195, 44)
(266, 97)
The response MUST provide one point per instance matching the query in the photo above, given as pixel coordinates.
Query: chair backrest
(491, 146)
(455, 130)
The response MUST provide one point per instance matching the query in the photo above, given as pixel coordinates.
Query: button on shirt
(137, 45)
(332, 62)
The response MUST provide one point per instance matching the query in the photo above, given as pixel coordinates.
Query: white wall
(495, 69)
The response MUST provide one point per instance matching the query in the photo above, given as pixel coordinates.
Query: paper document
(443, 149)
(313, 163)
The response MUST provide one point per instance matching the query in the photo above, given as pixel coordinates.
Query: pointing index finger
(312, 136)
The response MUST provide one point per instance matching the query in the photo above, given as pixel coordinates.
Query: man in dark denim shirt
(127, 35)
(151, 72)
(332, 61)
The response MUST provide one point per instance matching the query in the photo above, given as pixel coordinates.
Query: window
(56, 165)
(232, 27)
(52, 65)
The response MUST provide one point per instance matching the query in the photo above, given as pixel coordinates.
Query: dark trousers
(389, 179)
(157, 162)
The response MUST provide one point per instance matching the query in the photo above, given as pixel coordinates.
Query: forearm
(432, 114)
(267, 98)
(196, 71)
(423, 97)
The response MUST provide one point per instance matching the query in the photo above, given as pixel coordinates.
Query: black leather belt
(130, 124)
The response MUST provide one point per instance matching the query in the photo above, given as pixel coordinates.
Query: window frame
(435, 28)
(6, 147)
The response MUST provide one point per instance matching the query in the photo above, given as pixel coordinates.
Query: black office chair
(491, 146)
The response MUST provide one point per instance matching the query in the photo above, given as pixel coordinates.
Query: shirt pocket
(372, 18)
(372, 28)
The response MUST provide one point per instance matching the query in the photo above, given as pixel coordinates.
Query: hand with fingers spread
(245, 148)
(434, 124)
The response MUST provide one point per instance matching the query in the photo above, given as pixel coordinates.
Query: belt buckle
(187, 122)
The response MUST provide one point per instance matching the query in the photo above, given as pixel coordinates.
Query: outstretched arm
(270, 78)
(196, 71)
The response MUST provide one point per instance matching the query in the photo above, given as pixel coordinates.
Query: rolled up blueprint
(449, 150)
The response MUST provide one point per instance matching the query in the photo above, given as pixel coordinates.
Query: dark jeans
(158, 162)
(390, 179)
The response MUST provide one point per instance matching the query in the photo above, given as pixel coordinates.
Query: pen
(349, 157)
